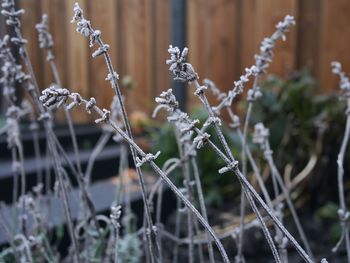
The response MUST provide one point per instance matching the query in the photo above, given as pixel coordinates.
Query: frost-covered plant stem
(102, 141)
(200, 92)
(34, 127)
(261, 135)
(343, 212)
(185, 72)
(59, 171)
(344, 216)
(262, 63)
(257, 197)
(177, 230)
(235, 124)
(11, 71)
(202, 204)
(244, 169)
(115, 217)
(84, 27)
(214, 120)
(10, 238)
(188, 187)
(105, 118)
(46, 43)
(13, 20)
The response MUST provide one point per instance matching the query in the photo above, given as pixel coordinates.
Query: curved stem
(340, 162)
(202, 204)
(187, 182)
(37, 154)
(291, 207)
(126, 123)
(102, 141)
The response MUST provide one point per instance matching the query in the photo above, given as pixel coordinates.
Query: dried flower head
(264, 58)
(12, 127)
(54, 97)
(214, 89)
(116, 212)
(83, 25)
(166, 100)
(235, 122)
(344, 80)
(261, 134)
(254, 94)
(45, 38)
(12, 15)
(182, 71)
(78, 13)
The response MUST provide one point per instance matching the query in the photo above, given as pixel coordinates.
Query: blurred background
(222, 35)
(299, 105)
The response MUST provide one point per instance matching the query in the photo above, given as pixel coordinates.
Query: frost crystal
(54, 97)
(147, 158)
(344, 80)
(182, 71)
(45, 38)
(261, 134)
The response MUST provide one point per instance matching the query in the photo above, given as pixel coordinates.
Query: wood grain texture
(108, 25)
(334, 41)
(213, 41)
(78, 58)
(162, 39)
(261, 18)
(223, 36)
(308, 35)
(55, 9)
(137, 59)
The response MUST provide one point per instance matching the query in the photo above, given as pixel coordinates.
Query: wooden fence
(223, 36)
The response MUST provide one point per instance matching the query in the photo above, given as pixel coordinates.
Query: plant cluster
(115, 238)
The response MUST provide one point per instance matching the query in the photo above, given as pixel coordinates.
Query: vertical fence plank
(162, 41)
(222, 35)
(213, 40)
(265, 15)
(28, 21)
(77, 58)
(136, 49)
(334, 41)
(308, 35)
(107, 24)
(55, 9)
(248, 40)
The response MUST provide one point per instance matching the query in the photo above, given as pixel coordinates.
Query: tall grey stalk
(57, 97)
(184, 133)
(12, 74)
(262, 61)
(185, 72)
(343, 212)
(46, 43)
(12, 19)
(189, 193)
(235, 124)
(200, 140)
(115, 216)
(84, 27)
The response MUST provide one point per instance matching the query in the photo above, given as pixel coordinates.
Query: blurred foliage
(301, 123)
(215, 187)
(297, 117)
